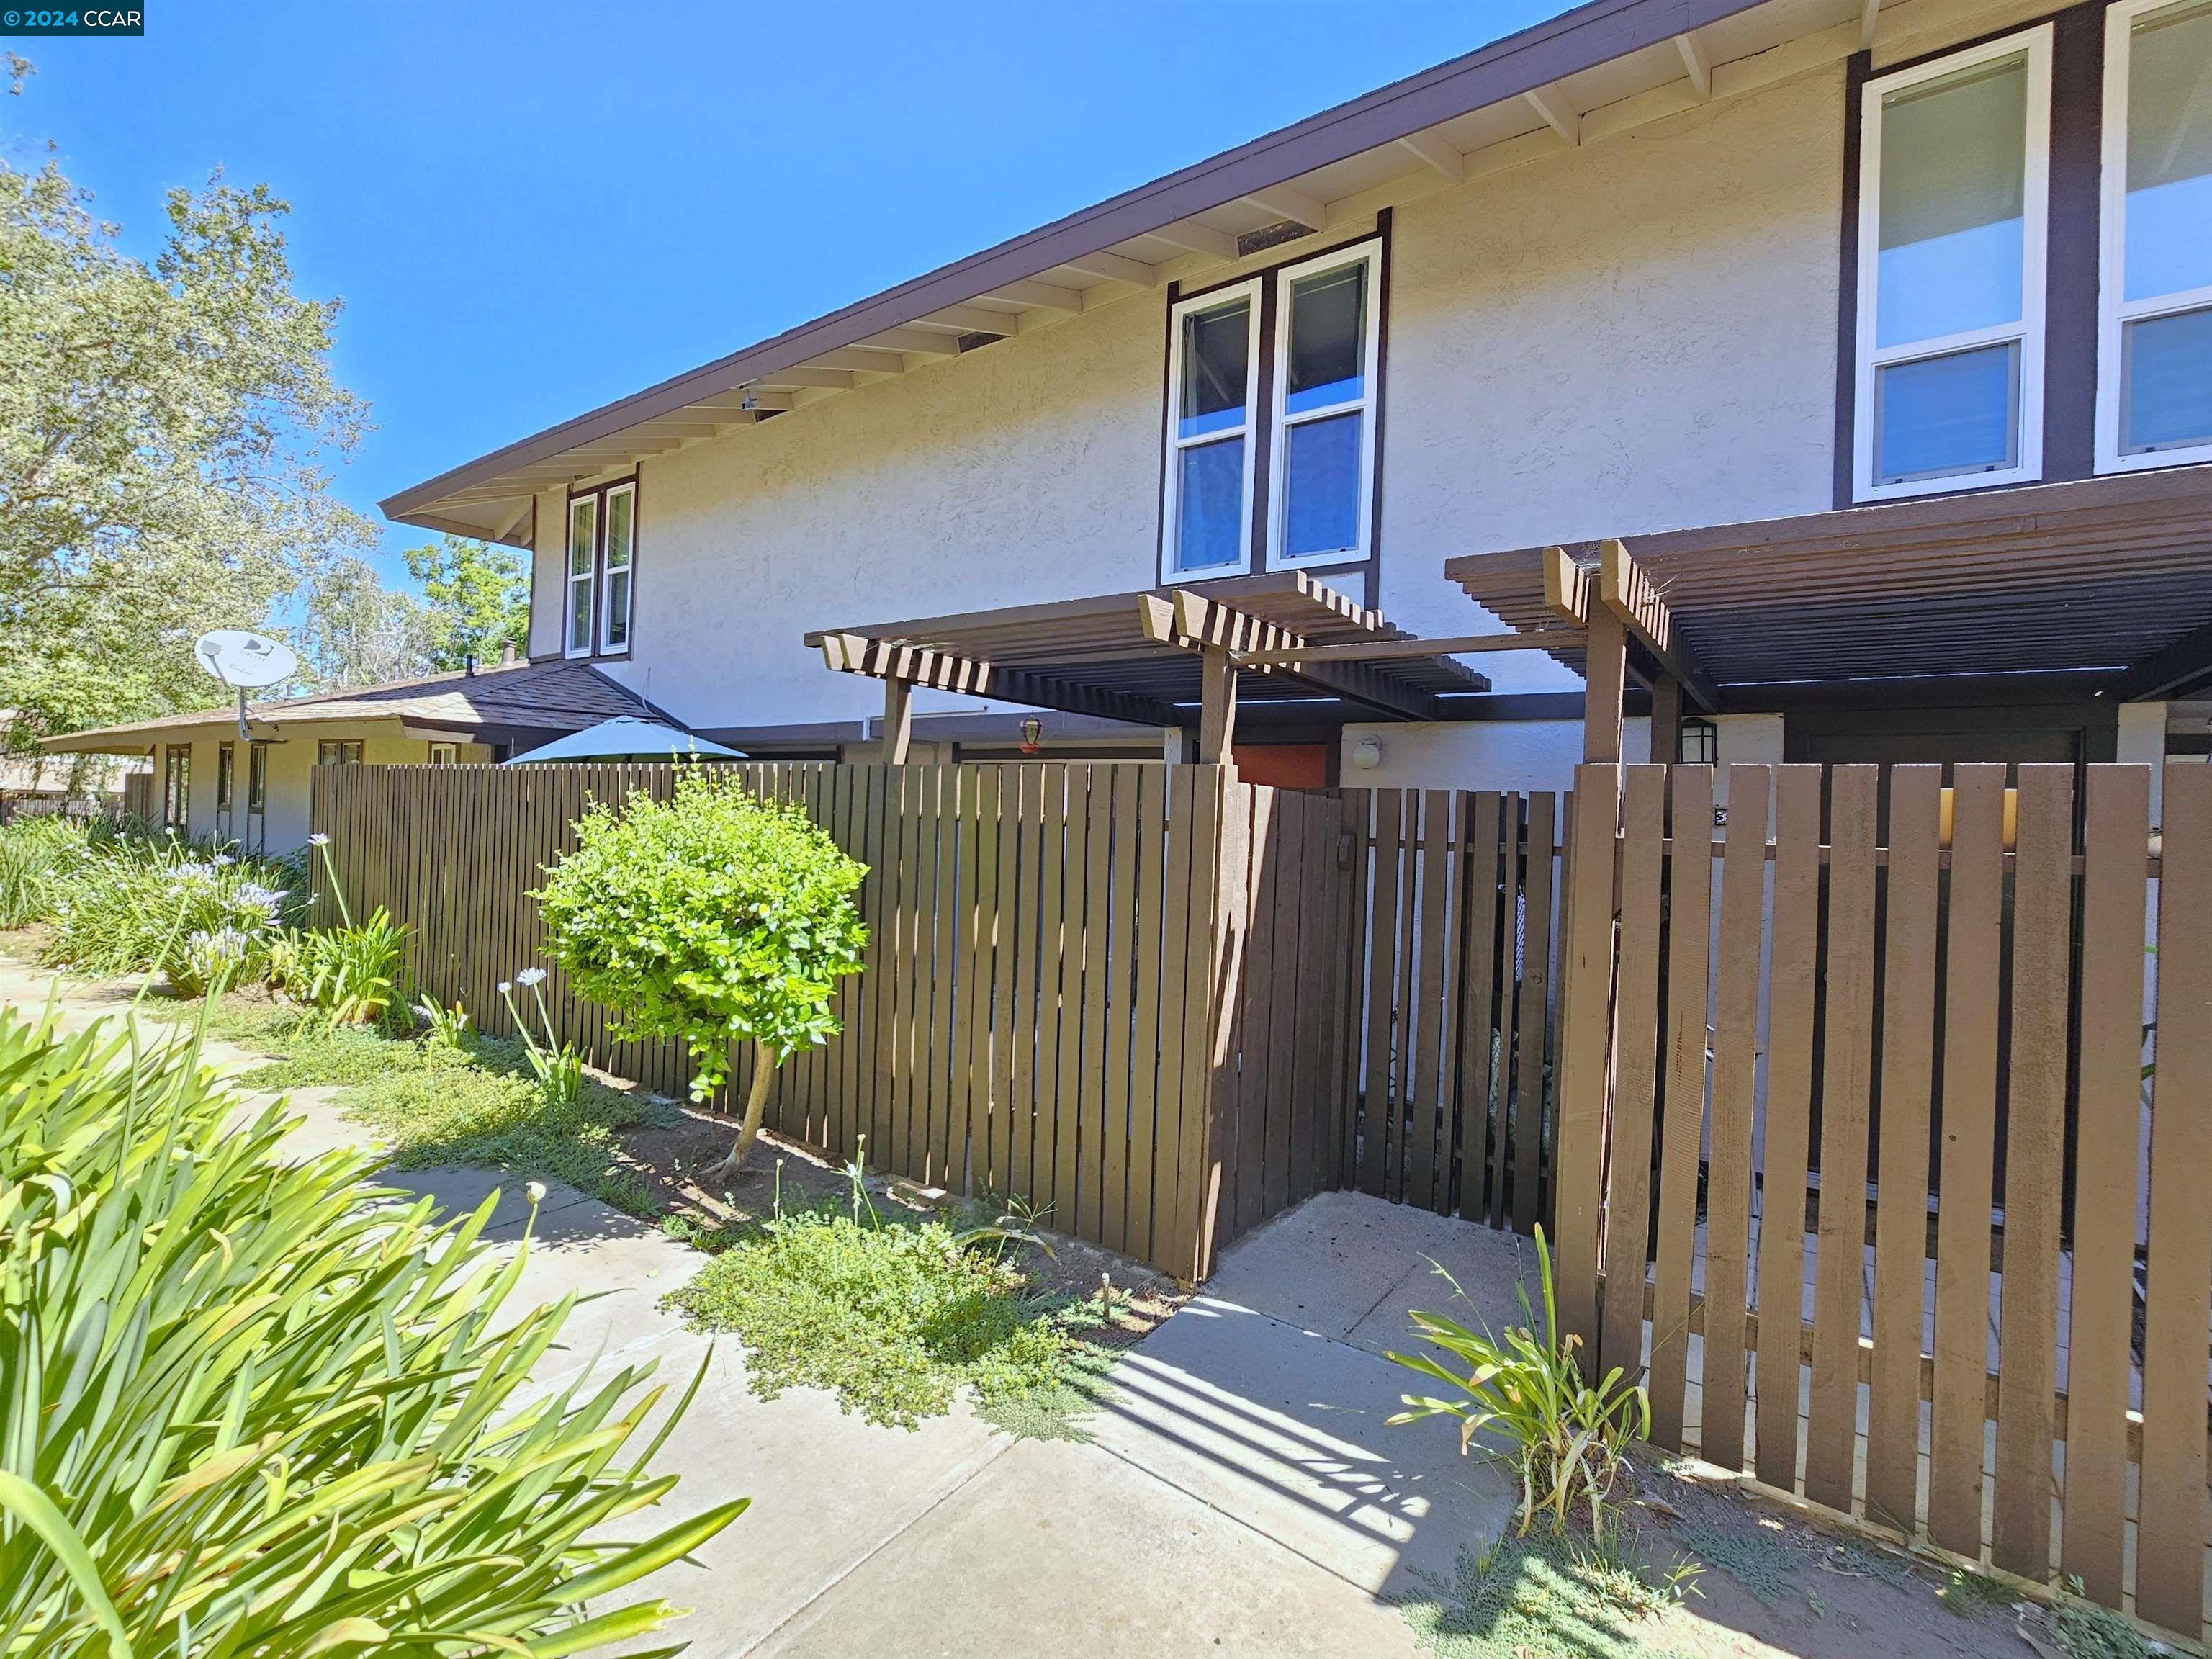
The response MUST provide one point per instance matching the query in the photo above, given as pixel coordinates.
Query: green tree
(478, 595)
(715, 917)
(353, 630)
(166, 431)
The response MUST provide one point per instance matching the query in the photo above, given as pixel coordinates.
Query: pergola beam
(1626, 589)
(1195, 622)
(944, 671)
(2187, 658)
(1543, 639)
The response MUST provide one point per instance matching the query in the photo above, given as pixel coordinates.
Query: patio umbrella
(627, 737)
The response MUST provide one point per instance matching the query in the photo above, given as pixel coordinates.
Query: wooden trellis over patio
(1280, 647)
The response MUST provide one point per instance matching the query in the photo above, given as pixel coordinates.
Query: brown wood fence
(1827, 1028)
(1450, 980)
(1113, 992)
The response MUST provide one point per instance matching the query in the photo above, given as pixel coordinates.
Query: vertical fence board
(1908, 1063)
(1735, 1084)
(1029, 1062)
(2170, 1528)
(1535, 1124)
(1091, 1108)
(1181, 983)
(1967, 1169)
(1381, 979)
(1584, 1047)
(1846, 1087)
(1429, 1052)
(1791, 985)
(1148, 1040)
(1244, 1201)
(1636, 1037)
(1689, 929)
(2101, 1328)
(1280, 964)
(1481, 1136)
(1118, 1010)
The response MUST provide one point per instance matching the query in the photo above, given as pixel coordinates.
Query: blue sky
(531, 209)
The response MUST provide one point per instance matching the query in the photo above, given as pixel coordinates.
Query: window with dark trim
(1273, 406)
(176, 788)
(339, 751)
(257, 779)
(1698, 742)
(2028, 288)
(226, 762)
(601, 556)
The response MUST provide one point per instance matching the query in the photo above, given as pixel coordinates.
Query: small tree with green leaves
(715, 917)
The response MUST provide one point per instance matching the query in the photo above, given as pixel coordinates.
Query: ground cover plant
(714, 917)
(256, 1408)
(895, 1314)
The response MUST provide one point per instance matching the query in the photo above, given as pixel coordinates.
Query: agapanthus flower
(530, 976)
(319, 839)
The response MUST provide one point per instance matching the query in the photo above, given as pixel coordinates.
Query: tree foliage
(166, 428)
(714, 917)
(353, 630)
(478, 598)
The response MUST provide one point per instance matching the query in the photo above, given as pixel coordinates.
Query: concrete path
(1242, 1494)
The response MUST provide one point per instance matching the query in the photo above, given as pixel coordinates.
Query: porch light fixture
(1032, 736)
(1700, 742)
(1368, 753)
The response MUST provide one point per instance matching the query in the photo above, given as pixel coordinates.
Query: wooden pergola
(2102, 585)
(1174, 657)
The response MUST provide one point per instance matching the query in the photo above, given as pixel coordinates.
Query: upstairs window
(1271, 419)
(2154, 355)
(602, 553)
(1323, 461)
(1953, 196)
(1213, 372)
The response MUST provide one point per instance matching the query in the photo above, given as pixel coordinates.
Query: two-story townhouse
(1881, 334)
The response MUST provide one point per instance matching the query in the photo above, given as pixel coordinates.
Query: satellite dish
(240, 659)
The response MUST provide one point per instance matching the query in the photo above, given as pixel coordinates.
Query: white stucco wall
(1636, 336)
(290, 776)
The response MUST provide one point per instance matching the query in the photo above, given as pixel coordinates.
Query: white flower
(504, 987)
(223, 860)
(319, 839)
(535, 1192)
(530, 976)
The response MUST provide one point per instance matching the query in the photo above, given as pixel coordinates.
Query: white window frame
(1171, 515)
(2028, 331)
(2115, 311)
(1279, 421)
(588, 581)
(606, 570)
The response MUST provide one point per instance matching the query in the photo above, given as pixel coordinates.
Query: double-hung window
(1271, 419)
(601, 553)
(1952, 196)
(2154, 355)
(1213, 379)
(1322, 464)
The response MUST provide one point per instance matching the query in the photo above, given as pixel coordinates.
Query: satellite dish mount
(245, 662)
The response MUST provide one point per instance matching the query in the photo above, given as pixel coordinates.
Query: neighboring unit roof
(1102, 657)
(1535, 90)
(2109, 577)
(550, 696)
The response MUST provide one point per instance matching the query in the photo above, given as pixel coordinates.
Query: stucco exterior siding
(1636, 336)
(291, 775)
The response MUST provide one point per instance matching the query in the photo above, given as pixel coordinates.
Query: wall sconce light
(1032, 736)
(1369, 753)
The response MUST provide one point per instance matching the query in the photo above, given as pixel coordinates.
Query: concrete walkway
(1242, 1494)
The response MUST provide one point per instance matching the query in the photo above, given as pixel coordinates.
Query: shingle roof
(544, 696)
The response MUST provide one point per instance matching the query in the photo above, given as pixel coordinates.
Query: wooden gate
(1778, 1046)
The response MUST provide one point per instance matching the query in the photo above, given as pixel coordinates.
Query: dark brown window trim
(634, 479)
(2070, 259)
(1369, 569)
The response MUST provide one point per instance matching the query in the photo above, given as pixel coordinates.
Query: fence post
(1585, 1048)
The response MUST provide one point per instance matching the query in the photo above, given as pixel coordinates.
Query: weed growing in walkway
(895, 1315)
(1543, 1595)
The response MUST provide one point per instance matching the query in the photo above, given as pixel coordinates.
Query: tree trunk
(764, 1065)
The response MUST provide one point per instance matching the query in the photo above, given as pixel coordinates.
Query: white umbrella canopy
(627, 737)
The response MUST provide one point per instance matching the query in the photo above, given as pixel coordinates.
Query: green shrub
(136, 905)
(36, 856)
(1567, 1438)
(714, 917)
(254, 1409)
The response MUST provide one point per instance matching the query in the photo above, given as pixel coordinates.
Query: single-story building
(204, 788)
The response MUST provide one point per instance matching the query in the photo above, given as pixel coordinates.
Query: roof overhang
(1137, 657)
(1598, 70)
(2097, 584)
